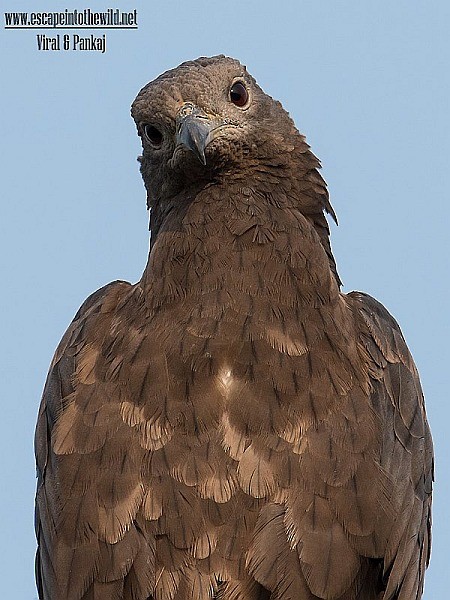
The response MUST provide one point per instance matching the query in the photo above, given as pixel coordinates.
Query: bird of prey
(232, 426)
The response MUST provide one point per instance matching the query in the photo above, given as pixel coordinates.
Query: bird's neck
(239, 238)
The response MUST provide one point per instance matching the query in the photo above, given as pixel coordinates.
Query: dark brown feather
(232, 426)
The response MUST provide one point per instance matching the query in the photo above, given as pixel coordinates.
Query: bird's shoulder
(394, 375)
(59, 382)
(114, 289)
(105, 300)
(405, 452)
(379, 329)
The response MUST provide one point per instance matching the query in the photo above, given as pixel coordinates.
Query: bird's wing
(405, 448)
(88, 486)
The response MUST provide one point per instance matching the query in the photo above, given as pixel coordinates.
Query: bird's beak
(195, 130)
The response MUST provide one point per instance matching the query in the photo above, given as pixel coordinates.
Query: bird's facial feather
(203, 120)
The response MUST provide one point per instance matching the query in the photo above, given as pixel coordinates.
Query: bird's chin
(183, 161)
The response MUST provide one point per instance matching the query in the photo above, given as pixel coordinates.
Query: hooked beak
(195, 130)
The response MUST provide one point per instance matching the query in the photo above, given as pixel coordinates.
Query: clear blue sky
(367, 82)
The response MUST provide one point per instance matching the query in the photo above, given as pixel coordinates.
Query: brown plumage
(231, 426)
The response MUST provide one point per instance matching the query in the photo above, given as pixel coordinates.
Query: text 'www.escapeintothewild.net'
(86, 18)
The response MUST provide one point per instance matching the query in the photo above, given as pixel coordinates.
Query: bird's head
(207, 119)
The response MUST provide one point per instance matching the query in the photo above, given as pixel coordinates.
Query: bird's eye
(238, 94)
(154, 136)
